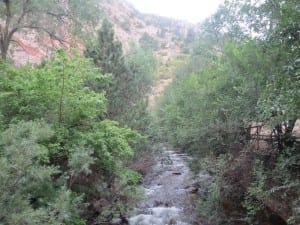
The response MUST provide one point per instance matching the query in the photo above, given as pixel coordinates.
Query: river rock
(116, 221)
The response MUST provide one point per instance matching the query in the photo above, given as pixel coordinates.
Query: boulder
(296, 130)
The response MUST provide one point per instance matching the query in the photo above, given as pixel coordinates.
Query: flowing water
(168, 190)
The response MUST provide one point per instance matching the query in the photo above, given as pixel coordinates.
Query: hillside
(164, 35)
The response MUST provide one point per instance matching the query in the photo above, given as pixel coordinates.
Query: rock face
(30, 49)
(129, 25)
(296, 130)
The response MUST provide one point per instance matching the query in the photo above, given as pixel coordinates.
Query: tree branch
(11, 33)
(8, 16)
(25, 4)
(51, 34)
(57, 16)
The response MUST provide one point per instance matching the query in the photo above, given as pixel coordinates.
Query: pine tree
(108, 56)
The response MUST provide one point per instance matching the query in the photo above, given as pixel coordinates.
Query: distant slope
(164, 35)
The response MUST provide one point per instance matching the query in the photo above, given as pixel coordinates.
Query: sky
(190, 10)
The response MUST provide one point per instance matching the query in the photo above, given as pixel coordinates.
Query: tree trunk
(4, 50)
(4, 42)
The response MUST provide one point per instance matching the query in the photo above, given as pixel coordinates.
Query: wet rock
(123, 220)
(172, 221)
(158, 203)
(194, 190)
(296, 130)
(116, 221)
(159, 216)
(176, 173)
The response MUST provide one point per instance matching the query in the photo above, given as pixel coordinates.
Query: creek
(168, 191)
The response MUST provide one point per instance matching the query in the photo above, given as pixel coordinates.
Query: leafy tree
(28, 195)
(88, 150)
(52, 18)
(132, 76)
(102, 177)
(55, 91)
(205, 106)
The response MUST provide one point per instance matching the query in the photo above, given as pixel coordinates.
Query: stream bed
(168, 192)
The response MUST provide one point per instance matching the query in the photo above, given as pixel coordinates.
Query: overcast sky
(191, 10)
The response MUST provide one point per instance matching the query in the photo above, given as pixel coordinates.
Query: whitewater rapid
(168, 190)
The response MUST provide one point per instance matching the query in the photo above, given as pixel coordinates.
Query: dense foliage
(66, 125)
(244, 69)
(61, 161)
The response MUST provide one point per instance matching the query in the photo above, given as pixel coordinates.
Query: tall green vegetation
(227, 85)
(140, 70)
(61, 161)
(28, 193)
(243, 69)
(62, 158)
(132, 77)
(219, 101)
(58, 90)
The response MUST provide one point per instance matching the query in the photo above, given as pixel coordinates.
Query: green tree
(55, 90)
(132, 76)
(107, 54)
(132, 100)
(209, 108)
(28, 194)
